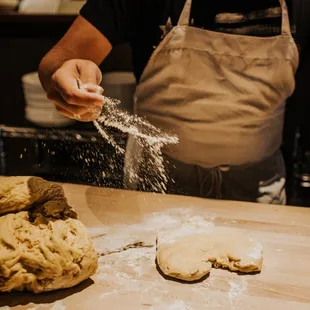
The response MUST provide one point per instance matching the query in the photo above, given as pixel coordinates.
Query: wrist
(49, 64)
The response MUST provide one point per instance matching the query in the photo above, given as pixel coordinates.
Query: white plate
(37, 97)
(47, 118)
(50, 114)
(41, 103)
(47, 123)
(38, 89)
(31, 78)
(39, 6)
(70, 7)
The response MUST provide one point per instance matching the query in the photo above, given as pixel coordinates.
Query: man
(217, 73)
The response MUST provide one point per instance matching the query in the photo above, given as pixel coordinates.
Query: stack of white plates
(70, 6)
(120, 85)
(39, 6)
(7, 6)
(39, 110)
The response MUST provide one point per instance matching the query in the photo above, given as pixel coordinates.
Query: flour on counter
(237, 289)
(133, 270)
(178, 305)
(57, 305)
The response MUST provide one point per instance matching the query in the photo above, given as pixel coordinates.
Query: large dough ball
(20, 193)
(44, 249)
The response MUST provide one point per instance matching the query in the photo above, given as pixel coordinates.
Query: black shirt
(138, 21)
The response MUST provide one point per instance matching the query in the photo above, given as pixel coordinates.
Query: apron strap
(186, 13)
(285, 28)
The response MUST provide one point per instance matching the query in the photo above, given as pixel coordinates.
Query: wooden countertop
(127, 277)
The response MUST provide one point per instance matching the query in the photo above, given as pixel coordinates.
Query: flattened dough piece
(20, 193)
(191, 257)
(44, 249)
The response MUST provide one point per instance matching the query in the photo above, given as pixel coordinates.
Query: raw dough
(191, 257)
(45, 248)
(42, 250)
(20, 193)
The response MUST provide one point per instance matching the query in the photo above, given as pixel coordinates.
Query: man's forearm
(51, 63)
(82, 41)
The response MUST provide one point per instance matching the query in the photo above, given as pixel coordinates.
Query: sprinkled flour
(149, 168)
(57, 305)
(238, 287)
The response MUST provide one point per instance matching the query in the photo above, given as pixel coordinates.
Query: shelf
(17, 25)
(36, 18)
(65, 134)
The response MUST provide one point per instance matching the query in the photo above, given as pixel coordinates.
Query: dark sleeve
(116, 19)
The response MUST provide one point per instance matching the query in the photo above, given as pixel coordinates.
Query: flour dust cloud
(145, 164)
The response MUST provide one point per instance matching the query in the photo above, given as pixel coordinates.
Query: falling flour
(108, 138)
(147, 168)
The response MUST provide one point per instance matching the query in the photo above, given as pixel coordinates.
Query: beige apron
(222, 94)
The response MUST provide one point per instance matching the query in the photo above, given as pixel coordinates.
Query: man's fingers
(67, 87)
(89, 74)
(74, 109)
(87, 117)
(65, 112)
(92, 88)
(75, 112)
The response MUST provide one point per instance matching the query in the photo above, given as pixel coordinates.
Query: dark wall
(17, 57)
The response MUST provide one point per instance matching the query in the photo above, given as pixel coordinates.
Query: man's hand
(75, 91)
(76, 58)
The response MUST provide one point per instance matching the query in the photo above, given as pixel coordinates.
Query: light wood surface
(119, 218)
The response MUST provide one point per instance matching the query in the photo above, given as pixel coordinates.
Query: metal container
(120, 85)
